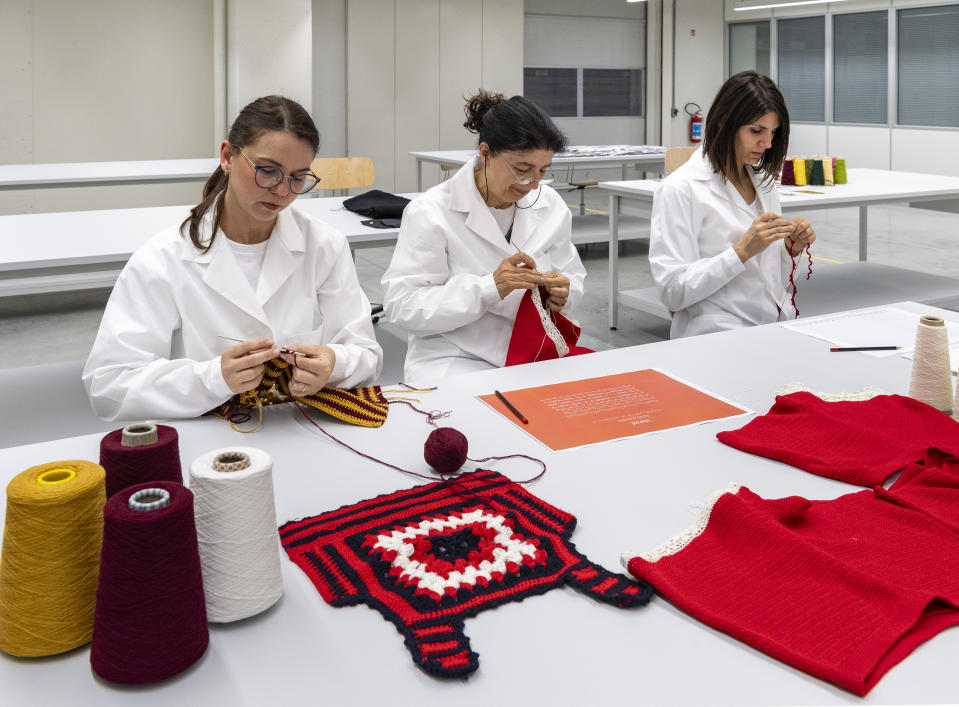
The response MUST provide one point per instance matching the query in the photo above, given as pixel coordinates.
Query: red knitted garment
(860, 442)
(429, 557)
(529, 341)
(841, 589)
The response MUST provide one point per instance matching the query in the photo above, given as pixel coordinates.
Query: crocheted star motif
(431, 556)
(442, 554)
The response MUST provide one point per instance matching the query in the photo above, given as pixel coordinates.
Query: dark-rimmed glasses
(269, 177)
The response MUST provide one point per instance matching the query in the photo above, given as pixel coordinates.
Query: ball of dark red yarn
(446, 449)
(126, 466)
(150, 618)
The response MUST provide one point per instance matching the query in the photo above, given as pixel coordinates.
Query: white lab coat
(697, 218)
(157, 353)
(439, 286)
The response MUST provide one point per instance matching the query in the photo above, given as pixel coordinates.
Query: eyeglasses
(528, 180)
(268, 177)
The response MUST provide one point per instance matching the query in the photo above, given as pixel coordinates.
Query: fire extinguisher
(695, 122)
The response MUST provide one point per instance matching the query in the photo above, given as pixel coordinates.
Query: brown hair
(511, 124)
(266, 114)
(743, 99)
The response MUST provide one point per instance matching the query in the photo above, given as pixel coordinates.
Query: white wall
(110, 80)
(409, 65)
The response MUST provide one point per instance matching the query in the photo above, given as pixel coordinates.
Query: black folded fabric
(377, 205)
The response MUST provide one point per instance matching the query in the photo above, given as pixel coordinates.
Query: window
(802, 67)
(861, 68)
(586, 93)
(553, 90)
(928, 42)
(749, 47)
(612, 92)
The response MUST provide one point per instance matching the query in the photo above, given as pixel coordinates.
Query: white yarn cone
(931, 380)
(236, 532)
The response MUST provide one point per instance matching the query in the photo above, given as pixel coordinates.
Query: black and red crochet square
(429, 557)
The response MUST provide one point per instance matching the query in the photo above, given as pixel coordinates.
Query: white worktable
(650, 162)
(100, 174)
(561, 648)
(866, 187)
(86, 249)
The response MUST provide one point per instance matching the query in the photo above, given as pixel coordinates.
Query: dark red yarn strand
(126, 466)
(150, 617)
(795, 265)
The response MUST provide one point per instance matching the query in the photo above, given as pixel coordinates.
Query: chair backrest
(343, 172)
(676, 157)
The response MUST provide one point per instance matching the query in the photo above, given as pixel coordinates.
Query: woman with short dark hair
(720, 251)
(470, 247)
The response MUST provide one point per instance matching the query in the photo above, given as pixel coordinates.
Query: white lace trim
(867, 393)
(549, 327)
(678, 542)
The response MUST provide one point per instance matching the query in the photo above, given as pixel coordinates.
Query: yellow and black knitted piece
(366, 407)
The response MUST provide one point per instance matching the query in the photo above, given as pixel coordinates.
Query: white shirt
(697, 218)
(157, 353)
(439, 286)
(249, 258)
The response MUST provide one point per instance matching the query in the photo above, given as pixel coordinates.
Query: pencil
(513, 410)
(865, 348)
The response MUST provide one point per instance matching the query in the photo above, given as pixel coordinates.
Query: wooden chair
(676, 157)
(343, 173)
(448, 169)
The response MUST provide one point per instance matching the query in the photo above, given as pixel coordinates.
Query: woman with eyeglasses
(719, 249)
(470, 247)
(202, 306)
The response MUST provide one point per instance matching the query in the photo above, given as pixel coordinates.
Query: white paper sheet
(881, 326)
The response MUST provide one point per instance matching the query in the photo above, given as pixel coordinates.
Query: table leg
(419, 174)
(624, 171)
(613, 260)
(863, 228)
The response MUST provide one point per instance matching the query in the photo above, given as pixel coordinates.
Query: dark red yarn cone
(446, 449)
(150, 617)
(126, 466)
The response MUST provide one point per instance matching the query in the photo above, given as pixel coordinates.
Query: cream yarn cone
(931, 380)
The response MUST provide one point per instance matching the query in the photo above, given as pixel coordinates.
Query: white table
(87, 249)
(649, 162)
(561, 648)
(100, 174)
(866, 187)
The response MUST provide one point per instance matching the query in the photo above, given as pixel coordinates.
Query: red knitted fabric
(429, 557)
(529, 341)
(860, 442)
(842, 589)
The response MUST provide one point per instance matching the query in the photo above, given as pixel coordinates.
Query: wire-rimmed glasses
(528, 180)
(268, 177)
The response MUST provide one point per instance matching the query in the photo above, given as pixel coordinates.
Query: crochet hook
(283, 349)
(865, 348)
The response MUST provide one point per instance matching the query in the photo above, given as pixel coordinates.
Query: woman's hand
(312, 371)
(763, 232)
(557, 285)
(517, 272)
(801, 238)
(242, 364)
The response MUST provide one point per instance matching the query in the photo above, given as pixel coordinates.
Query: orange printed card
(594, 410)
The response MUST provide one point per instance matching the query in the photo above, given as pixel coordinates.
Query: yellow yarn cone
(51, 558)
(799, 172)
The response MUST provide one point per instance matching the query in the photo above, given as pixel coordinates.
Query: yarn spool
(799, 172)
(138, 453)
(827, 171)
(236, 532)
(816, 175)
(931, 379)
(150, 620)
(809, 162)
(839, 170)
(446, 449)
(50, 558)
(788, 176)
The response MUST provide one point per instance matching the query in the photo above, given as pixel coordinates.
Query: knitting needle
(513, 410)
(865, 348)
(283, 350)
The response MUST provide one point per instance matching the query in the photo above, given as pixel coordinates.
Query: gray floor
(45, 329)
